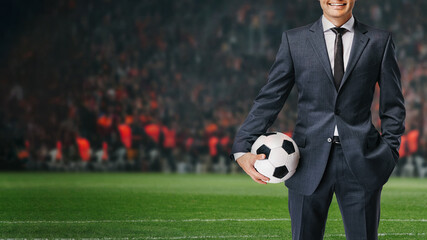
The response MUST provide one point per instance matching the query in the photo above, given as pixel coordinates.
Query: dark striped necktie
(338, 58)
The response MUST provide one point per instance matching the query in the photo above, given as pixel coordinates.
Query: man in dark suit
(335, 64)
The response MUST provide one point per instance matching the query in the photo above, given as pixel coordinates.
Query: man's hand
(247, 161)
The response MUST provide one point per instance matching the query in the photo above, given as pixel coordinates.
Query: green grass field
(157, 206)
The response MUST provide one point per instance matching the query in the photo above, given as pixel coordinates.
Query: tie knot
(340, 31)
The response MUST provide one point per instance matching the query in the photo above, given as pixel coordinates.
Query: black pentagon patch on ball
(280, 172)
(288, 146)
(268, 134)
(264, 150)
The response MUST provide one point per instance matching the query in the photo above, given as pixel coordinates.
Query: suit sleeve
(392, 107)
(269, 101)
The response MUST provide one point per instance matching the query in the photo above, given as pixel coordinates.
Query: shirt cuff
(238, 154)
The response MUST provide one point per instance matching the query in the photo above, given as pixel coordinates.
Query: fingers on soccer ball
(258, 180)
(259, 176)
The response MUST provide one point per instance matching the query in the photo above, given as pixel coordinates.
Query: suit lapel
(317, 40)
(359, 43)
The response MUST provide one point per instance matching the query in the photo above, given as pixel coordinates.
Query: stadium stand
(161, 85)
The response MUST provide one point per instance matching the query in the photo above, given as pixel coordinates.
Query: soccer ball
(281, 156)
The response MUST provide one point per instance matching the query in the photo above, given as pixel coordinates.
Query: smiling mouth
(337, 4)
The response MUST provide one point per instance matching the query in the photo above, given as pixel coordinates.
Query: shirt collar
(327, 25)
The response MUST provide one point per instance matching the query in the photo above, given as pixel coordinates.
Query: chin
(339, 14)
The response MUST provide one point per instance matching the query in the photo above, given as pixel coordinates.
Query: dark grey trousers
(360, 209)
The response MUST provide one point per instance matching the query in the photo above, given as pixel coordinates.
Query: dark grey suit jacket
(302, 60)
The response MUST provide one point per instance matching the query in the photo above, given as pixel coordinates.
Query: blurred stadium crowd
(162, 85)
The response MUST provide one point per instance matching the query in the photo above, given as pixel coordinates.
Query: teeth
(336, 4)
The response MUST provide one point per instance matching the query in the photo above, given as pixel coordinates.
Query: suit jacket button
(329, 139)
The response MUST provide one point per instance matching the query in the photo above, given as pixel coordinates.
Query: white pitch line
(214, 237)
(381, 234)
(148, 220)
(184, 220)
(401, 234)
(205, 237)
(403, 220)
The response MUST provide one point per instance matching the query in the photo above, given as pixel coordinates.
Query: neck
(338, 22)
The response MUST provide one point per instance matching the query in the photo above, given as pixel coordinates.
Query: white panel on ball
(274, 141)
(265, 168)
(293, 160)
(278, 157)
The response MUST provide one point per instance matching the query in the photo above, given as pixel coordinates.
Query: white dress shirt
(347, 41)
